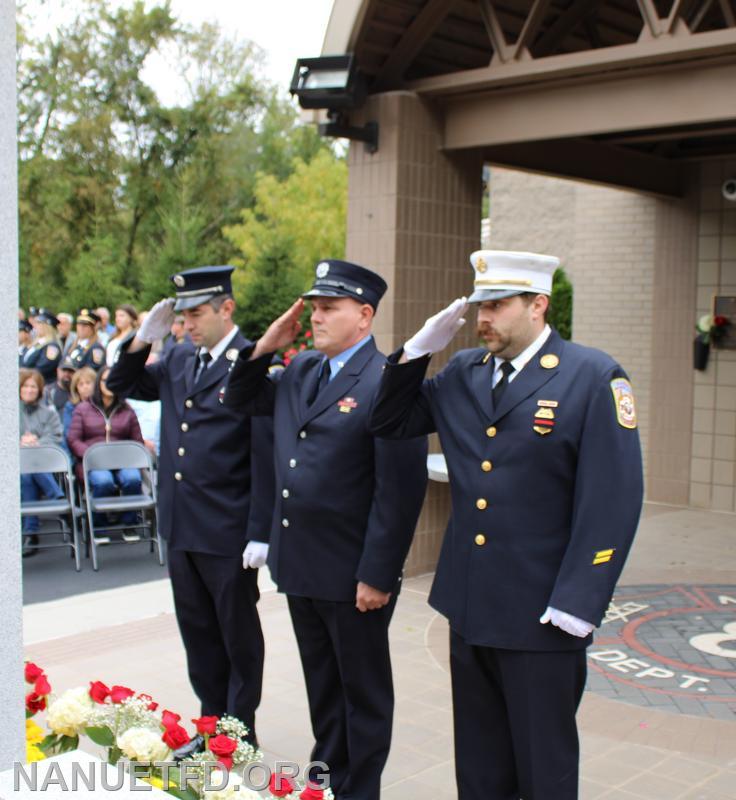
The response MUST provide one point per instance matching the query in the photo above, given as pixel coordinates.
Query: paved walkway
(633, 747)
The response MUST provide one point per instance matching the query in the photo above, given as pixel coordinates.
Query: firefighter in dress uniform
(44, 353)
(215, 490)
(541, 441)
(347, 506)
(88, 351)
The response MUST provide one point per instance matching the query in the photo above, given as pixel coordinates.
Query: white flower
(233, 790)
(143, 744)
(69, 713)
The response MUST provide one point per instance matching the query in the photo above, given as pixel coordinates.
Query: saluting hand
(158, 321)
(369, 599)
(281, 331)
(437, 331)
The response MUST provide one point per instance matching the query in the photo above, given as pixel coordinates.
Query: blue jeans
(105, 482)
(32, 487)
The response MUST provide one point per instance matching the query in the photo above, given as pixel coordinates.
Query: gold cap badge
(480, 264)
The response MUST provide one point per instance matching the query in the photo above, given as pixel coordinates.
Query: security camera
(729, 189)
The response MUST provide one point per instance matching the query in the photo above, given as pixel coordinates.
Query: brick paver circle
(671, 647)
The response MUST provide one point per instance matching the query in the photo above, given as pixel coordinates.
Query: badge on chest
(346, 405)
(544, 417)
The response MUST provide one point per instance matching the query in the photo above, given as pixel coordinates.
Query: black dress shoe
(194, 745)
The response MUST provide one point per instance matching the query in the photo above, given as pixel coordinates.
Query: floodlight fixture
(335, 84)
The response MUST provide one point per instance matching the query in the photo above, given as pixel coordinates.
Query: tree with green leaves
(560, 315)
(293, 224)
(118, 189)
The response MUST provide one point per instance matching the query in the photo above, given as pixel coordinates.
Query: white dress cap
(504, 273)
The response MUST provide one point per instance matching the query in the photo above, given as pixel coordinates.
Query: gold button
(188, 403)
(181, 451)
(486, 466)
(480, 540)
(481, 504)
(491, 432)
(184, 427)
(178, 476)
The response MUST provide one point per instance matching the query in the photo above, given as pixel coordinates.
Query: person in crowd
(126, 321)
(88, 351)
(542, 448)
(105, 329)
(346, 508)
(44, 354)
(215, 490)
(177, 335)
(67, 336)
(149, 416)
(25, 339)
(81, 388)
(32, 311)
(106, 417)
(39, 425)
(57, 394)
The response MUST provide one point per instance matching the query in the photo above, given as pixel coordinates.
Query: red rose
(151, 705)
(32, 672)
(223, 747)
(35, 703)
(120, 693)
(720, 320)
(42, 685)
(169, 719)
(308, 335)
(175, 736)
(206, 725)
(280, 785)
(312, 793)
(98, 691)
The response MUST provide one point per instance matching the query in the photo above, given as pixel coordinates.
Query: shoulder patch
(275, 368)
(98, 355)
(623, 398)
(52, 352)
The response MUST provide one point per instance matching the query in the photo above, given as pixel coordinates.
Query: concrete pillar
(12, 746)
(414, 216)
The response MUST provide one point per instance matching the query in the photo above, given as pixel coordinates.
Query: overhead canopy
(619, 91)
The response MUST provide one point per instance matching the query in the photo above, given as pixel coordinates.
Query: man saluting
(546, 480)
(215, 489)
(346, 508)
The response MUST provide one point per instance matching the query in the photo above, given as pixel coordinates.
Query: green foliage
(560, 316)
(119, 188)
(293, 224)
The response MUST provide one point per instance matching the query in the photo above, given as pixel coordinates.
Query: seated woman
(80, 389)
(39, 425)
(106, 418)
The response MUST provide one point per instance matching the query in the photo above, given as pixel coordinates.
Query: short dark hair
(528, 298)
(217, 301)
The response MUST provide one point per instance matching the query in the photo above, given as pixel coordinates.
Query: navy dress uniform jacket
(346, 502)
(213, 497)
(537, 518)
(91, 355)
(43, 356)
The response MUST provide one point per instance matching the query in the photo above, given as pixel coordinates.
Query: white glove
(437, 331)
(255, 555)
(157, 323)
(566, 622)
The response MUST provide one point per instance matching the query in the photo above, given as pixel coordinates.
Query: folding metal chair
(122, 455)
(54, 459)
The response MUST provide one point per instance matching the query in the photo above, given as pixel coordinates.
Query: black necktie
(322, 381)
(204, 360)
(506, 369)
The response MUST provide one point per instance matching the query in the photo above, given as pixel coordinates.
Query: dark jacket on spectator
(91, 424)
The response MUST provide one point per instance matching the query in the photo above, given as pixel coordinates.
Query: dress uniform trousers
(215, 601)
(520, 706)
(347, 669)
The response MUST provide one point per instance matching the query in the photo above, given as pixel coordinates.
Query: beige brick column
(414, 216)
